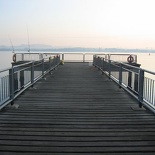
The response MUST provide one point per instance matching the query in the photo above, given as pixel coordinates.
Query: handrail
(15, 80)
(65, 56)
(3, 70)
(140, 83)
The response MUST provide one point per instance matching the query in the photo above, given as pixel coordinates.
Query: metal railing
(73, 56)
(139, 82)
(66, 56)
(15, 80)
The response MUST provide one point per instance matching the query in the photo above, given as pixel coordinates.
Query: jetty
(90, 106)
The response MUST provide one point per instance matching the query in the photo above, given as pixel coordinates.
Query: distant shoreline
(80, 49)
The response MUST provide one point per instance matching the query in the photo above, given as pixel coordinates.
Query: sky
(79, 23)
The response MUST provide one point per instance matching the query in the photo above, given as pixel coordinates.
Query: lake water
(146, 60)
(5, 59)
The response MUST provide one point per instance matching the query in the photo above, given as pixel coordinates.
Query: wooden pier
(76, 110)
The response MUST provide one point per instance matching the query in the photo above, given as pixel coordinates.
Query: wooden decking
(79, 111)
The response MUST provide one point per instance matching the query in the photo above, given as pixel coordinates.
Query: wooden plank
(94, 139)
(34, 153)
(76, 144)
(84, 149)
(79, 111)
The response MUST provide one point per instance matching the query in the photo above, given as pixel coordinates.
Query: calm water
(5, 59)
(147, 61)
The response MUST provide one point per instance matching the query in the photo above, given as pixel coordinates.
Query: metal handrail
(84, 57)
(15, 80)
(131, 78)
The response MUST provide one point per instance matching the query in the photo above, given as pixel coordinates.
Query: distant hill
(42, 47)
(25, 47)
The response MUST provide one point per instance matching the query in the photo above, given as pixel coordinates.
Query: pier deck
(76, 110)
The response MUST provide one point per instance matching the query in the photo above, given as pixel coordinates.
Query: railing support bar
(109, 69)
(120, 75)
(102, 65)
(83, 57)
(42, 67)
(12, 85)
(141, 85)
(32, 73)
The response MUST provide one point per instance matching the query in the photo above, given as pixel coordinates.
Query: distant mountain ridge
(24, 47)
(42, 47)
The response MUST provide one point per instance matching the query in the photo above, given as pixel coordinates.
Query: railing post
(136, 82)
(11, 72)
(54, 61)
(141, 84)
(63, 57)
(100, 63)
(129, 79)
(109, 68)
(83, 57)
(58, 59)
(50, 59)
(21, 79)
(32, 73)
(22, 56)
(103, 65)
(94, 60)
(120, 75)
(42, 67)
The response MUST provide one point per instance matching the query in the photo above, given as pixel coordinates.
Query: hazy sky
(85, 23)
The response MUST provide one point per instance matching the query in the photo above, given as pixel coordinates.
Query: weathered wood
(34, 153)
(76, 110)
